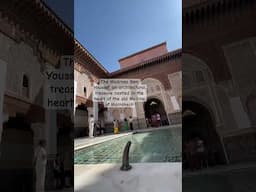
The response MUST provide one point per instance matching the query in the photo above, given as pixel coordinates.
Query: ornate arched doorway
(152, 107)
(81, 121)
(198, 122)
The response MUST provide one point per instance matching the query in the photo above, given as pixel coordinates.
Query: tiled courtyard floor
(97, 167)
(154, 146)
(86, 141)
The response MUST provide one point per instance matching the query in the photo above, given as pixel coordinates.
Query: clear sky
(64, 9)
(112, 29)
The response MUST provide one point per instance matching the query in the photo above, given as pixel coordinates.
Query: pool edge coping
(125, 134)
(101, 141)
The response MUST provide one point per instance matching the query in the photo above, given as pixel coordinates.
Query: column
(3, 69)
(96, 111)
(138, 112)
(75, 88)
(51, 132)
(38, 132)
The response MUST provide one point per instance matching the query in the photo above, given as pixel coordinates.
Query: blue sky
(64, 9)
(112, 29)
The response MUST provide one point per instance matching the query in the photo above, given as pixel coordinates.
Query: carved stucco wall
(83, 80)
(21, 60)
(204, 89)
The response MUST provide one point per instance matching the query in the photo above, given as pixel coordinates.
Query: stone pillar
(48, 132)
(96, 111)
(122, 115)
(75, 88)
(134, 112)
(38, 130)
(51, 132)
(3, 69)
(139, 116)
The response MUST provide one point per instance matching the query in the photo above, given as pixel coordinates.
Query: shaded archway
(198, 121)
(152, 107)
(65, 142)
(81, 121)
(17, 153)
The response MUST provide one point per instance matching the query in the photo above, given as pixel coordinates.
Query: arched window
(25, 86)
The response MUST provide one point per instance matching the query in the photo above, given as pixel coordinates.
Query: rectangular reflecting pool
(163, 145)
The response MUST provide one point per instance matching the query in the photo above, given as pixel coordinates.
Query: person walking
(40, 161)
(126, 124)
(131, 123)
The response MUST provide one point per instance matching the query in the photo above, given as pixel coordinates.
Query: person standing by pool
(91, 126)
(147, 122)
(126, 125)
(115, 122)
(40, 160)
(131, 123)
(158, 118)
(201, 153)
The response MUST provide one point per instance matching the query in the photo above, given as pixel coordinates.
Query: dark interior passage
(197, 122)
(152, 107)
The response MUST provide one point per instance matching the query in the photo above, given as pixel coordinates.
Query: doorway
(152, 107)
(198, 122)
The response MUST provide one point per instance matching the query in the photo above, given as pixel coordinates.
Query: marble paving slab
(144, 177)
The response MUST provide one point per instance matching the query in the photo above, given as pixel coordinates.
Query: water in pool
(155, 146)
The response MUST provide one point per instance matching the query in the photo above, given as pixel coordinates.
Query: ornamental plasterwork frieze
(18, 35)
(80, 68)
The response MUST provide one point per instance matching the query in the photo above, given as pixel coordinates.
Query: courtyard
(155, 157)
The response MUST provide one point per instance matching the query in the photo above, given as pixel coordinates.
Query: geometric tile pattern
(155, 146)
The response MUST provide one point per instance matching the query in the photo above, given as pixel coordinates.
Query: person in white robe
(40, 161)
(91, 126)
